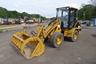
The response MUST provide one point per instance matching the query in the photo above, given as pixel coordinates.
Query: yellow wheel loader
(64, 25)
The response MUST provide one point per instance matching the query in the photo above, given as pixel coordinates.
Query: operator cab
(67, 16)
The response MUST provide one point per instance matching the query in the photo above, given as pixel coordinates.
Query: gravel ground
(81, 52)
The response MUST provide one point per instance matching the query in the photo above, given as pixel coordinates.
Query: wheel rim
(59, 40)
(76, 36)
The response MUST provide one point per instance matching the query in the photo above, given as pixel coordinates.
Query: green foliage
(1, 30)
(87, 12)
(3, 12)
(14, 14)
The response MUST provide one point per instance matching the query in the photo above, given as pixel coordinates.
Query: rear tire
(75, 36)
(57, 39)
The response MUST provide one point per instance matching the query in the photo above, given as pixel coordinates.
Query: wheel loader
(64, 25)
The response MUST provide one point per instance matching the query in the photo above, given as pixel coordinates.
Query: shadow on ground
(94, 35)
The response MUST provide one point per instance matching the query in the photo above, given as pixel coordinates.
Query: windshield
(63, 15)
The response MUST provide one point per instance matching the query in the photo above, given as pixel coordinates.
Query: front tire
(57, 39)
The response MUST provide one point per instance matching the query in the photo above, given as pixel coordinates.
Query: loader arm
(54, 26)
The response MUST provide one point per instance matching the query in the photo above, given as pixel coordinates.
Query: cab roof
(67, 8)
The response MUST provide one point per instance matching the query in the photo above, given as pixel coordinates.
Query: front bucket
(28, 46)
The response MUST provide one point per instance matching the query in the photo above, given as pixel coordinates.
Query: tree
(87, 12)
(3, 12)
(14, 14)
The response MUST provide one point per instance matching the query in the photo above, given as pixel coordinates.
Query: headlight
(59, 26)
(79, 27)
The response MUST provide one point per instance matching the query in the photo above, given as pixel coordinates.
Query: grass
(1, 30)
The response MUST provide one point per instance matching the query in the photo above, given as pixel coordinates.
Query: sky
(94, 2)
(43, 7)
